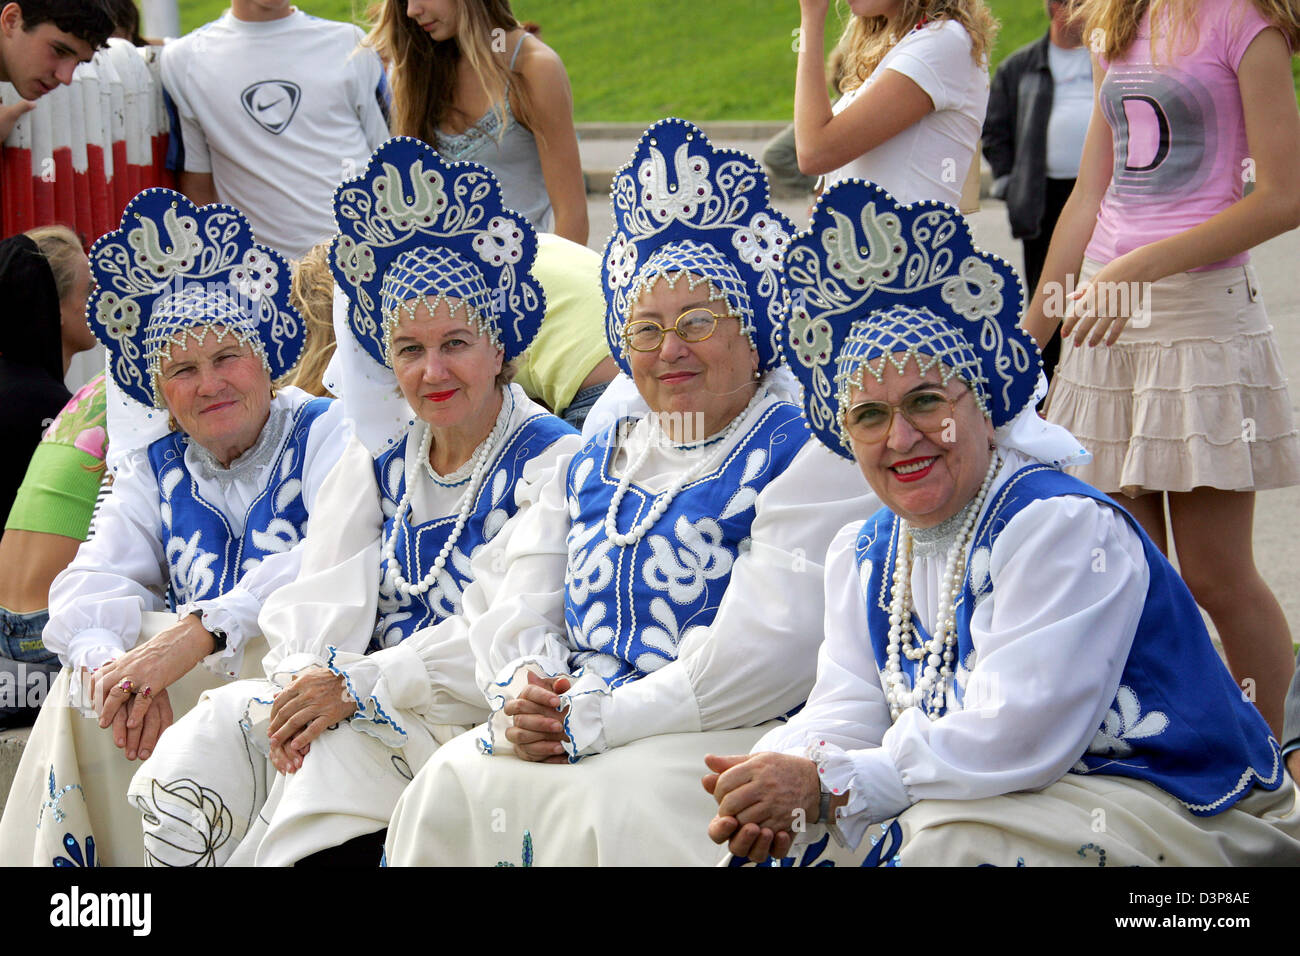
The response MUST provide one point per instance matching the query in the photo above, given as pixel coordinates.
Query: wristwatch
(218, 635)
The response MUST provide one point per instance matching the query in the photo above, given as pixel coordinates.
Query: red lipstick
(913, 475)
(440, 396)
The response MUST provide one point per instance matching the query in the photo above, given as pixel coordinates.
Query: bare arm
(552, 99)
(825, 141)
(1273, 137)
(198, 188)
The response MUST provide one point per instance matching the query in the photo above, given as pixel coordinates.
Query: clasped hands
(760, 797)
(315, 700)
(537, 723)
(129, 693)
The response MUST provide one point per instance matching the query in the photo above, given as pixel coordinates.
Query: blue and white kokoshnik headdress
(871, 279)
(413, 225)
(682, 207)
(173, 271)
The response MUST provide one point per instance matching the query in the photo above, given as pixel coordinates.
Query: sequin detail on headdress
(173, 271)
(414, 229)
(871, 278)
(683, 207)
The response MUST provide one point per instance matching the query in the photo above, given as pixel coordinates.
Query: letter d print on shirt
(272, 104)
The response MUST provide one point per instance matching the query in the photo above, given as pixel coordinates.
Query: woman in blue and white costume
(202, 521)
(665, 596)
(1012, 673)
(440, 299)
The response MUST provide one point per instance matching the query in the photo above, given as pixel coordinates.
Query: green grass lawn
(638, 61)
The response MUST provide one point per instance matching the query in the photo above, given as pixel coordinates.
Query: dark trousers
(1057, 192)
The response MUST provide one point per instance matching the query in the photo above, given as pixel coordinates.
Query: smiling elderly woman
(370, 667)
(633, 625)
(196, 318)
(1008, 658)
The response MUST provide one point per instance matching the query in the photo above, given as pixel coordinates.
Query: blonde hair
(62, 249)
(1111, 25)
(866, 40)
(423, 71)
(311, 290)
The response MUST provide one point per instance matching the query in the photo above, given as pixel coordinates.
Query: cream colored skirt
(641, 804)
(68, 804)
(1080, 820)
(1193, 394)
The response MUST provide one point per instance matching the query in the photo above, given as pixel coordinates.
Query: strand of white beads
(931, 687)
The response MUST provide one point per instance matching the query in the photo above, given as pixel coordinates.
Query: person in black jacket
(1039, 103)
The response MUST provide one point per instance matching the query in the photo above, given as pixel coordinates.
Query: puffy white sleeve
(236, 612)
(120, 572)
(756, 660)
(1070, 581)
(515, 610)
(333, 600)
(431, 674)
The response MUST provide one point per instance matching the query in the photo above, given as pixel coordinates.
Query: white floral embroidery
(621, 261)
(683, 571)
(1124, 722)
(192, 574)
(280, 535)
(590, 633)
(745, 496)
(183, 244)
(761, 244)
(693, 187)
(256, 276)
(986, 300)
(663, 639)
(501, 242)
(356, 260)
(587, 571)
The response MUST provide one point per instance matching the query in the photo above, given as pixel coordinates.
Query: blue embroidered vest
(417, 546)
(627, 608)
(1178, 720)
(204, 555)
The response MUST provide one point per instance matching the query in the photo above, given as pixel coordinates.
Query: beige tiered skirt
(1193, 394)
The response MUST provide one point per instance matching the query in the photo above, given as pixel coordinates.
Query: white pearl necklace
(932, 685)
(482, 455)
(665, 498)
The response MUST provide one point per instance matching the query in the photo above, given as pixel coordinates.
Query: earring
(272, 392)
(172, 424)
(757, 375)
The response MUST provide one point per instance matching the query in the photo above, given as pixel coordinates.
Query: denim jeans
(27, 669)
(582, 402)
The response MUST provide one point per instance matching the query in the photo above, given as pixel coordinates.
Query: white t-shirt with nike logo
(279, 112)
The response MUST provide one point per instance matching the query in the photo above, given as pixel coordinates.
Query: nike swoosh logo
(270, 105)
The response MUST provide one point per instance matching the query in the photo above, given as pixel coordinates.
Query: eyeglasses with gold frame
(694, 325)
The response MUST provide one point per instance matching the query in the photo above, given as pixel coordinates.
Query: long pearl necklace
(664, 499)
(482, 455)
(932, 685)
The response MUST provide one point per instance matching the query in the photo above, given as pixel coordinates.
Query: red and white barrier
(87, 148)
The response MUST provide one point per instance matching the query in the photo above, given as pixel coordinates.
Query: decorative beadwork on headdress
(414, 229)
(871, 279)
(192, 313)
(683, 207)
(171, 272)
(900, 335)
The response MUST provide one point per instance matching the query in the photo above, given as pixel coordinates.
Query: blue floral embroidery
(74, 851)
(527, 852)
(56, 796)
